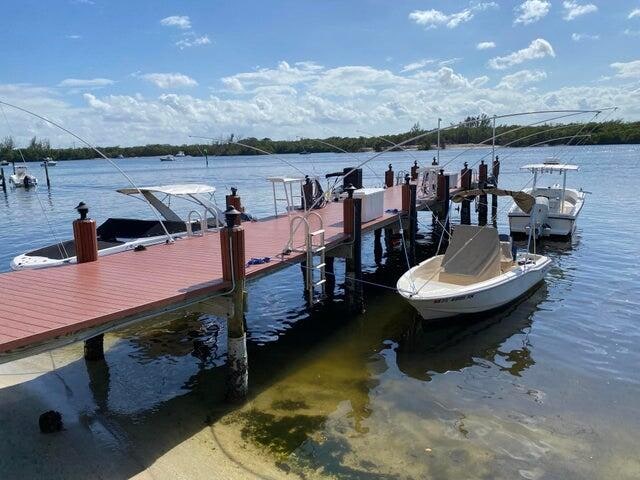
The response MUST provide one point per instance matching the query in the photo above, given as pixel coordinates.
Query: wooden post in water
(206, 157)
(494, 198)
(442, 197)
(414, 170)
(482, 201)
(377, 246)
(465, 184)
(235, 200)
(13, 164)
(329, 270)
(85, 239)
(3, 180)
(352, 225)
(46, 173)
(234, 271)
(388, 177)
(413, 222)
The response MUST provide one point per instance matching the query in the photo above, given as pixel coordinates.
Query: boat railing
(189, 223)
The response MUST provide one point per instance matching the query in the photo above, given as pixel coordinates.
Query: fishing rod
(95, 149)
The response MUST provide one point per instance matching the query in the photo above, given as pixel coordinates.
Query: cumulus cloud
(635, 13)
(283, 74)
(631, 33)
(539, 48)
(578, 37)
(182, 22)
(627, 70)
(523, 77)
(196, 41)
(169, 80)
(485, 45)
(80, 83)
(531, 11)
(410, 67)
(434, 18)
(573, 9)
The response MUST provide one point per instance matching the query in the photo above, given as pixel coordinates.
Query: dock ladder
(315, 249)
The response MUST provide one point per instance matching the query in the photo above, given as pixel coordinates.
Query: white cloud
(433, 18)
(523, 77)
(627, 70)
(193, 42)
(73, 37)
(635, 13)
(284, 74)
(531, 11)
(410, 67)
(573, 9)
(539, 48)
(485, 45)
(80, 83)
(631, 33)
(180, 21)
(169, 80)
(578, 37)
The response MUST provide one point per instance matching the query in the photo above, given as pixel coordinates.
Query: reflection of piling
(46, 173)
(494, 198)
(233, 270)
(482, 200)
(3, 180)
(465, 184)
(388, 177)
(329, 270)
(377, 246)
(85, 239)
(352, 224)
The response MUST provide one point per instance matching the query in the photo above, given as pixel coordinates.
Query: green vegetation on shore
(476, 131)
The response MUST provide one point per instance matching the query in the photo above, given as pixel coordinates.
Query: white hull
(556, 225)
(444, 300)
(29, 262)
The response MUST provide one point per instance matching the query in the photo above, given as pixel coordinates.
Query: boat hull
(560, 226)
(482, 297)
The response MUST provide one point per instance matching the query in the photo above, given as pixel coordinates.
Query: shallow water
(547, 388)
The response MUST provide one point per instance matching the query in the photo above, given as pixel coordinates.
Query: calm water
(549, 388)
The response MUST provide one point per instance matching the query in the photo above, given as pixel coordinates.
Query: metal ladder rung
(320, 266)
(318, 249)
(319, 282)
(317, 232)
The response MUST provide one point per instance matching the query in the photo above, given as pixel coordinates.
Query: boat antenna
(95, 149)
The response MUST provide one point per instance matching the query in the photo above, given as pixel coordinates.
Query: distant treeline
(476, 130)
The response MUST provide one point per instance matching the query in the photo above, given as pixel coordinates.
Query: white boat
(180, 154)
(557, 207)
(4, 163)
(167, 158)
(479, 271)
(117, 235)
(49, 162)
(22, 179)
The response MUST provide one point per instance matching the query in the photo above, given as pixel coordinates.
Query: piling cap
(350, 189)
(466, 164)
(83, 210)
(415, 163)
(230, 215)
(390, 167)
(234, 191)
(481, 162)
(407, 179)
(442, 171)
(307, 180)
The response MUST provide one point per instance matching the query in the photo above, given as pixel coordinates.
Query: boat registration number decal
(454, 299)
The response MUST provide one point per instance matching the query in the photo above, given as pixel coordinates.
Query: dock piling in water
(494, 198)
(235, 200)
(388, 177)
(353, 265)
(3, 180)
(46, 173)
(233, 270)
(441, 216)
(414, 170)
(85, 239)
(482, 201)
(465, 184)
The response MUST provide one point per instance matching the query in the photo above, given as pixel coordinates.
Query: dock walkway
(40, 307)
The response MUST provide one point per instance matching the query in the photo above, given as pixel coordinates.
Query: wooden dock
(44, 309)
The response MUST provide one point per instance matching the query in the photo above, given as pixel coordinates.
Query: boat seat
(473, 255)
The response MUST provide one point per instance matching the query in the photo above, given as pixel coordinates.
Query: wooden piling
(494, 198)
(377, 246)
(85, 239)
(442, 197)
(235, 200)
(388, 177)
(232, 244)
(414, 170)
(465, 184)
(413, 222)
(406, 195)
(3, 180)
(330, 275)
(482, 200)
(353, 268)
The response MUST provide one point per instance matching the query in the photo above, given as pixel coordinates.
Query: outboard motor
(539, 213)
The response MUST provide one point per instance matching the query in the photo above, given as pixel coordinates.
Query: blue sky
(131, 72)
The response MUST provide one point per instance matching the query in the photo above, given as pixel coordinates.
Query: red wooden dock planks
(41, 305)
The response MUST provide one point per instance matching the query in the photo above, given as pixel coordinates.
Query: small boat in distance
(4, 163)
(479, 271)
(557, 207)
(22, 179)
(120, 156)
(304, 152)
(180, 154)
(117, 235)
(167, 158)
(49, 162)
